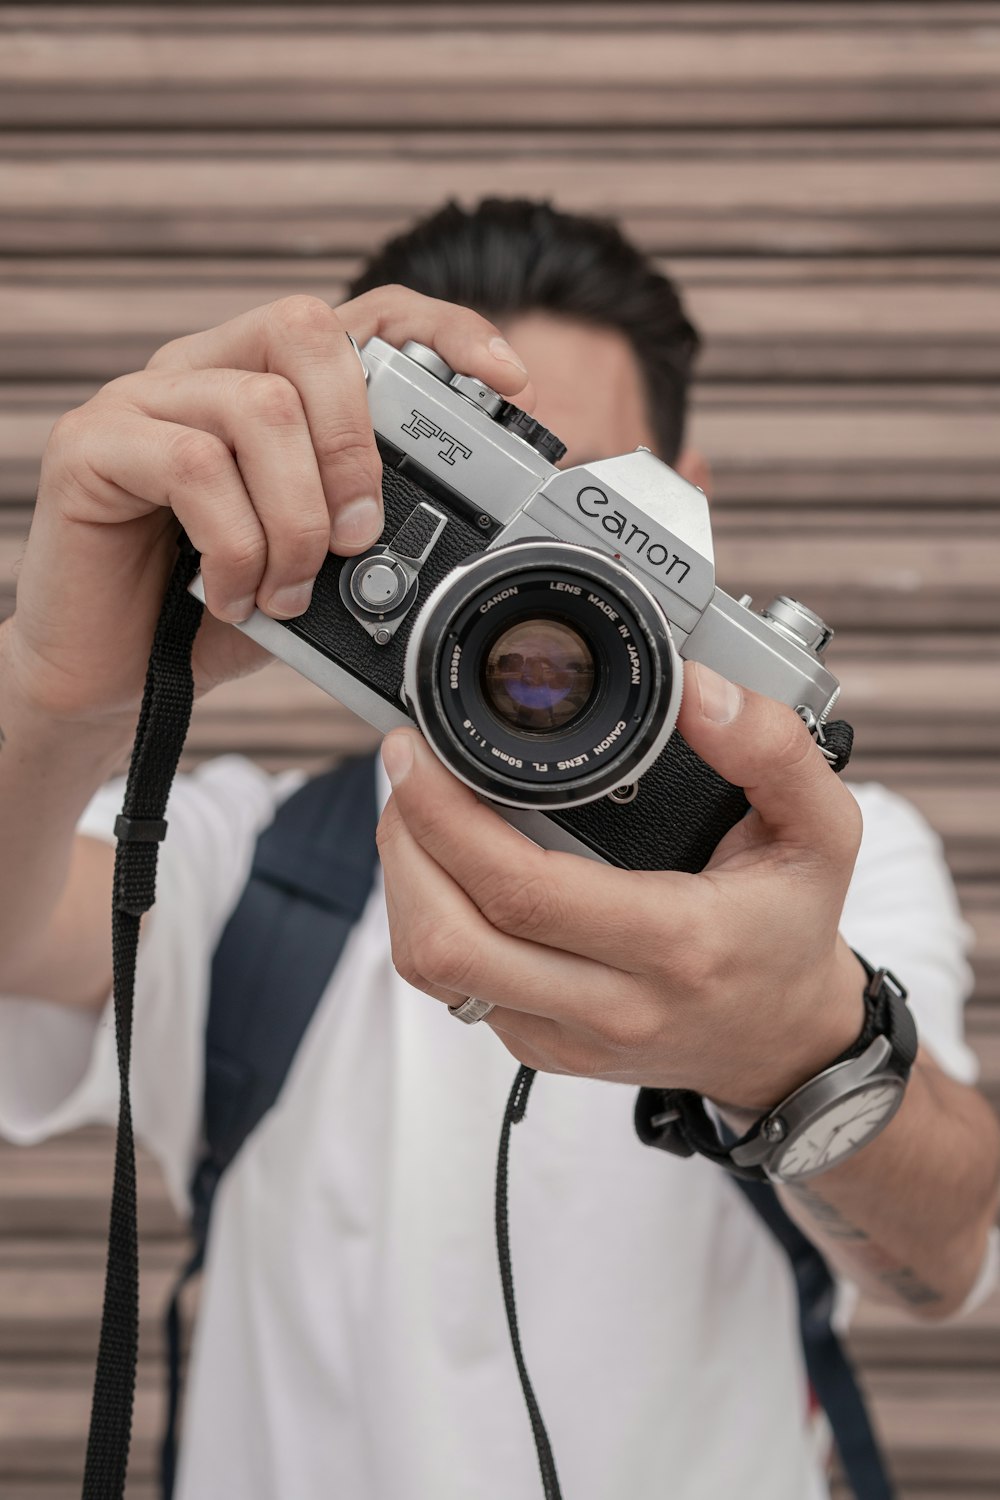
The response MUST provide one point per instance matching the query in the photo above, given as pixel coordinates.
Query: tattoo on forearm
(902, 1281)
(907, 1285)
(830, 1219)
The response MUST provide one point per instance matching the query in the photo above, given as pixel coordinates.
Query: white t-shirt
(351, 1342)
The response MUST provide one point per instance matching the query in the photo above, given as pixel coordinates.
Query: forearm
(49, 769)
(907, 1218)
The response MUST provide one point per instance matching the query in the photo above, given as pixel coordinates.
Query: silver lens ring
(611, 735)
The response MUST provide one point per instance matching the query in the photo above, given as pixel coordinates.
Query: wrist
(42, 718)
(820, 1034)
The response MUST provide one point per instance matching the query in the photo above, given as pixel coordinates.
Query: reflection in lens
(538, 675)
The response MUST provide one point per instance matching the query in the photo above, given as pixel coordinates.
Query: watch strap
(678, 1120)
(886, 1014)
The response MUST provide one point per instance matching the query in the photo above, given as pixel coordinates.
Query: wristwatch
(822, 1122)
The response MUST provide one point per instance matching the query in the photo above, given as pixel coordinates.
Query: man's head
(602, 331)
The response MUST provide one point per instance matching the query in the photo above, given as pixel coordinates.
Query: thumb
(764, 747)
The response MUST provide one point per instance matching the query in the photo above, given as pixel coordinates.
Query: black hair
(512, 255)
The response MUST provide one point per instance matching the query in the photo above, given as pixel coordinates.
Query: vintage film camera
(532, 622)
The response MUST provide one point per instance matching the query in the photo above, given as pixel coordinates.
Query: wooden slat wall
(822, 178)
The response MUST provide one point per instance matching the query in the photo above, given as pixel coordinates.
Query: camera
(532, 622)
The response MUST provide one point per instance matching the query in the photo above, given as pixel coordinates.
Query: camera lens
(538, 675)
(543, 674)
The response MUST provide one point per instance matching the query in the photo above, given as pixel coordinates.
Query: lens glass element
(538, 675)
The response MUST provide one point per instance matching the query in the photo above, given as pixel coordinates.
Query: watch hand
(833, 1132)
(873, 1114)
(826, 1151)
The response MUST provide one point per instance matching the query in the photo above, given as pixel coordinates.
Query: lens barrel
(543, 675)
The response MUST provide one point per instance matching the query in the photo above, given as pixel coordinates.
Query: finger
(302, 339)
(468, 342)
(222, 654)
(552, 1047)
(442, 942)
(192, 473)
(261, 420)
(621, 917)
(765, 748)
(416, 980)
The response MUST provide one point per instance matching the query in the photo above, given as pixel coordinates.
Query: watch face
(838, 1130)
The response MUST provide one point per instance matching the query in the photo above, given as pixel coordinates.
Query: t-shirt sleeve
(902, 913)
(58, 1066)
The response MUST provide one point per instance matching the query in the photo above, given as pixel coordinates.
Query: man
(351, 1339)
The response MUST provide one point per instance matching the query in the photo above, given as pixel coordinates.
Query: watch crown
(773, 1129)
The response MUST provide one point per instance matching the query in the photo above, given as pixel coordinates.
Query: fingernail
(357, 524)
(288, 602)
(397, 757)
(239, 610)
(500, 349)
(720, 699)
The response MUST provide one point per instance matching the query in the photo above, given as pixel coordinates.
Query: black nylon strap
(162, 727)
(517, 1103)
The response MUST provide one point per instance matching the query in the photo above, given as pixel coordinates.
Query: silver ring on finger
(354, 345)
(472, 1010)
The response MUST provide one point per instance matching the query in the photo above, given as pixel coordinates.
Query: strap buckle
(140, 830)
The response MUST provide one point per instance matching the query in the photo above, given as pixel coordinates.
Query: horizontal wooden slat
(336, 48)
(64, 1190)
(429, 168)
(87, 323)
(315, 66)
(50, 1308)
(332, 200)
(940, 1425)
(193, 272)
(760, 15)
(44, 1411)
(390, 144)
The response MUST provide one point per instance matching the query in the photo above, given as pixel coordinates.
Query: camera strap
(167, 700)
(517, 1103)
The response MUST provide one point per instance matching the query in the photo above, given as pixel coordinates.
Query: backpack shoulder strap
(312, 873)
(827, 1364)
(311, 876)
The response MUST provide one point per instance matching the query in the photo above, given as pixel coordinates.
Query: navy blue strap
(173, 1340)
(829, 1369)
(311, 876)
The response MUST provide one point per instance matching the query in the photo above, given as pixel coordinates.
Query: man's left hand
(733, 982)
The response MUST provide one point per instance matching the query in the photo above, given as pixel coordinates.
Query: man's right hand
(256, 436)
